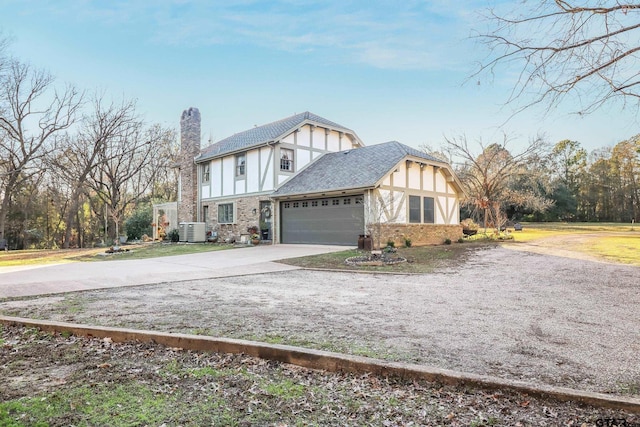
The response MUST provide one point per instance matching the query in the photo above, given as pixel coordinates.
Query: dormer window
(286, 160)
(241, 160)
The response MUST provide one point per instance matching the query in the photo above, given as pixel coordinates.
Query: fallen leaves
(254, 390)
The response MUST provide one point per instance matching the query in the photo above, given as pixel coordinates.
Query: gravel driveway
(521, 315)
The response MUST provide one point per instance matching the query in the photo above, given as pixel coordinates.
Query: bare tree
(33, 116)
(83, 152)
(589, 49)
(488, 176)
(128, 163)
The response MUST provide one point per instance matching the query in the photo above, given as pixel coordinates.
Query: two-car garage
(329, 220)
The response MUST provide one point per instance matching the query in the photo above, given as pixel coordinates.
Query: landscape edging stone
(330, 361)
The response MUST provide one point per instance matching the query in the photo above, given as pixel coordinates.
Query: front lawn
(135, 251)
(420, 260)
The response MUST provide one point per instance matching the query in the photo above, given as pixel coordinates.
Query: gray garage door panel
(330, 221)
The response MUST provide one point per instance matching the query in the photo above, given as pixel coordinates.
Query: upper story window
(241, 164)
(205, 173)
(286, 160)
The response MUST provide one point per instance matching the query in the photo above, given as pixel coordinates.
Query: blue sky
(389, 70)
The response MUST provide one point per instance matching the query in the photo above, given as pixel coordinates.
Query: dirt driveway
(514, 314)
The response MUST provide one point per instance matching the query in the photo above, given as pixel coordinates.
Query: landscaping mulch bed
(65, 380)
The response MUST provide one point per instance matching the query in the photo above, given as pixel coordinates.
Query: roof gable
(357, 168)
(264, 134)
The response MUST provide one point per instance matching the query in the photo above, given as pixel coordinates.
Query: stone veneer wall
(420, 234)
(245, 217)
(189, 149)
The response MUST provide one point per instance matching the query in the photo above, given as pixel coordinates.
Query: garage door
(329, 221)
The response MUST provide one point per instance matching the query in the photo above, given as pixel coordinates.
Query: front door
(265, 219)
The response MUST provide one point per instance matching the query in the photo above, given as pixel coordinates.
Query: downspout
(275, 212)
(198, 193)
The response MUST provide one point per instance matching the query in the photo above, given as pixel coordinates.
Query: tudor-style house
(306, 179)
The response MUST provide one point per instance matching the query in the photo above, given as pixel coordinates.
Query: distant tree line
(544, 182)
(73, 165)
(585, 51)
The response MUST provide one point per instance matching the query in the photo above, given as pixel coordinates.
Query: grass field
(541, 230)
(140, 251)
(609, 241)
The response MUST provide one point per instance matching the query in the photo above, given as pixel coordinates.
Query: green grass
(541, 230)
(285, 389)
(420, 259)
(159, 250)
(100, 404)
(142, 251)
(624, 249)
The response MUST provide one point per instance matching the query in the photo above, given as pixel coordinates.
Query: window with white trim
(286, 160)
(205, 173)
(414, 209)
(241, 160)
(225, 213)
(427, 210)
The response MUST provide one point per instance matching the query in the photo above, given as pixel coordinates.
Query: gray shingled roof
(350, 169)
(265, 133)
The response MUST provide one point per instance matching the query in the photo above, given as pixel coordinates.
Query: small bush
(460, 240)
(173, 235)
(139, 223)
(447, 241)
(407, 242)
(391, 243)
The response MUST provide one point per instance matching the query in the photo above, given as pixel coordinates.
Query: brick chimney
(189, 149)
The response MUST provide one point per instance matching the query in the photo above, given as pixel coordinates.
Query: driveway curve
(79, 276)
(519, 315)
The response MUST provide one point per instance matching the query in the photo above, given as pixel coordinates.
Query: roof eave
(323, 193)
(200, 158)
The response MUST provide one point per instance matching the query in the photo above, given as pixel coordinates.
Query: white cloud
(411, 34)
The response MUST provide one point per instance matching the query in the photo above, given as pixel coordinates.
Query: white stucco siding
(253, 171)
(441, 210)
(282, 178)
(289, 139)
(333, 141)
(400, 177)
(228, 175)
(427, 178)
(414, 173)
(205, 191)
(318, 140)
(387, 180)
(240, 186)
(303, 158)
(216, 178)
(441, 182)
(304, 137)
(454, 211)
(401, 210)
(394, 203)
(315, 155)
(345, 143)
(266, 162)
(451, 189)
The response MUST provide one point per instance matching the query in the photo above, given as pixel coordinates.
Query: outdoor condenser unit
(196, 232)
(182, 232)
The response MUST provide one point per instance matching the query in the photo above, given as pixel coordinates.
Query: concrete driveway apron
(78, 276)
